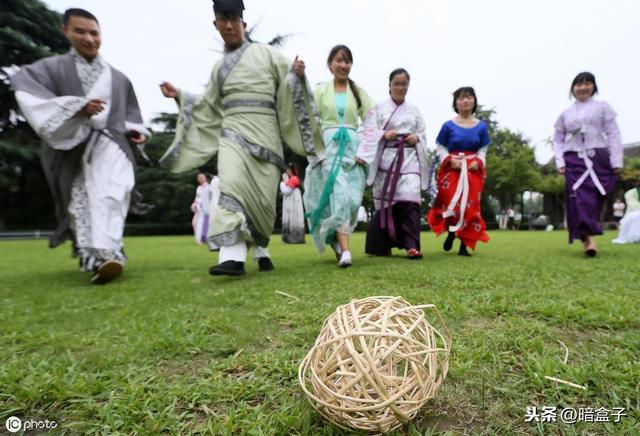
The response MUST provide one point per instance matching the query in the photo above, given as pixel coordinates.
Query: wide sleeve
(485, 140)
(285, 189)
(442, 141)
(614, 141)
(133, 117)
(54, 118)
(366, 103)
(424, 158)
(297, 112)
(371, 134)
(197, 131)
(560, 133)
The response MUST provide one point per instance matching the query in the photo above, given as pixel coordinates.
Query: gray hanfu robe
(88, 162)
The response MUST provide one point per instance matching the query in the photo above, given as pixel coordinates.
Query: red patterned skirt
(455, 188)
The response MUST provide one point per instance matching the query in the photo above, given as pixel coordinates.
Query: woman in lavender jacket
(588, 151)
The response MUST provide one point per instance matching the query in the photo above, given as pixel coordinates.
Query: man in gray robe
(87, 115)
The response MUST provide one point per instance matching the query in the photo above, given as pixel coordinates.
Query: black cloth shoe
(448, 243)
(107, 271)
(463, 250)
(265, 264)
(228, 268)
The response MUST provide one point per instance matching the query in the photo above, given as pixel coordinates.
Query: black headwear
(226, 6)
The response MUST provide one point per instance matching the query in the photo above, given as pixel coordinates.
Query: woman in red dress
(462, 149)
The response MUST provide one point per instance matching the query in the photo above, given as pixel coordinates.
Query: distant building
(632, 149)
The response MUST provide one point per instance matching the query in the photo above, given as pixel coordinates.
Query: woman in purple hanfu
(588, 151)
(394, 146)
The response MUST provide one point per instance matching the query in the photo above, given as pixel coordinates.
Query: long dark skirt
(584, 206)
(406, 218)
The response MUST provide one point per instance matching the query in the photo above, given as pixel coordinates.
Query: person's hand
(561, 171)
(359, 161)
(474, 166)
(390, 135)
(411, 139)
(298, 67)
(94, 107)
(168, 90)
(456, 163)
(136, 137)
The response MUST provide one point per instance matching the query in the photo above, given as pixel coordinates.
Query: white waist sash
(589, 172)
(462, 193)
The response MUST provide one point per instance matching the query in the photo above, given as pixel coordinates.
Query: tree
(28, 31)
(630, 174)
(511, 165)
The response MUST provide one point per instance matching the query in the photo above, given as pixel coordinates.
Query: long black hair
(585, 76)
(332, 54)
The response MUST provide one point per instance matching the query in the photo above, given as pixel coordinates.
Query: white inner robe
(100, 195)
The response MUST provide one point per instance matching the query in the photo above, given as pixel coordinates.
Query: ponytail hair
(347, 52)
(355, 91)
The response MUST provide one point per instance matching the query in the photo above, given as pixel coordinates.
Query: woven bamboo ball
(376, 362)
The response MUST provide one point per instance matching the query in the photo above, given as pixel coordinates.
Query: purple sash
(389, 188)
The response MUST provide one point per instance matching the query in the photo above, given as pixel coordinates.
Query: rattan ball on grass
(375, 364)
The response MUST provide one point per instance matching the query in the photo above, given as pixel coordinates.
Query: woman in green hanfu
(335, 181)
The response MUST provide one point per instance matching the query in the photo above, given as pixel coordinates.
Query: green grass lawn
(169, 349)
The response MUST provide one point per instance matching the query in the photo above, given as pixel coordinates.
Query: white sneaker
(345, 259)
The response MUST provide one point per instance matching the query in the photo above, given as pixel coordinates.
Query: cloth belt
(93, 141)
(389, 187)
(589, 172)
(462, 193)
(248, 102)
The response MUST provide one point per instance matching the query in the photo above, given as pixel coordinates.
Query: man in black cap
(255, 102)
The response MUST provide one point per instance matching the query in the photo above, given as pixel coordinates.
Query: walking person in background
(394, 147)
(200, 208)
(87, 115)
(292, 208)
(588, 152)
(511, 218)
(334, 181)
(630, 223)
(462, 148)
(618, 211)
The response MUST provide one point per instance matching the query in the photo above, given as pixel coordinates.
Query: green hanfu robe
(252, 105)
(334, 182)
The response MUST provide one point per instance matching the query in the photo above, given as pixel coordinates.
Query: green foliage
(277, 41)
(550, 181)
(167, 120)
(511, 164)
(28, 32)
(631, 172)
(168, 349)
